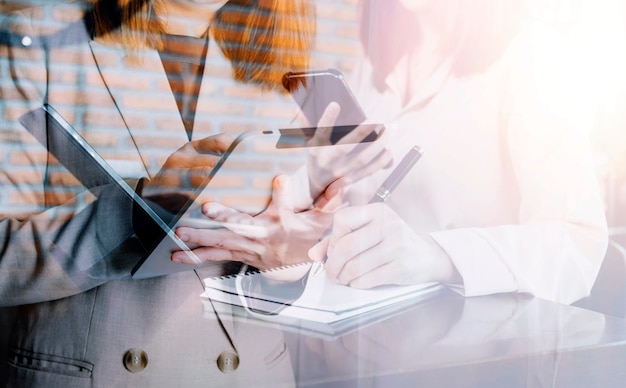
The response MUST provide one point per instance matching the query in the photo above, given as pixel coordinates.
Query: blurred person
(505, 198)
(132, 76)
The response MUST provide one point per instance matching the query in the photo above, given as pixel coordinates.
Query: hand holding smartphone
(315, 90)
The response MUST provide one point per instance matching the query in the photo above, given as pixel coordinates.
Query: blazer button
(135, 360)
(27, 41)
(228, 361)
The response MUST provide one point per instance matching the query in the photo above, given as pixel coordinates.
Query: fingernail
(209, 211)
(183, 237)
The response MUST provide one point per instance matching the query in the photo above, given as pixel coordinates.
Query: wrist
(444, 269)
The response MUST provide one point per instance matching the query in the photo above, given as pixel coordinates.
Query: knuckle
(351, 269)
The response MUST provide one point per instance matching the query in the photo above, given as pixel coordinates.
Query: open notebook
(325, 308)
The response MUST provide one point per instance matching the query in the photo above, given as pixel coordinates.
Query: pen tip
(317, 269)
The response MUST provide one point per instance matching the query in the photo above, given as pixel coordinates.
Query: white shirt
(506, 185)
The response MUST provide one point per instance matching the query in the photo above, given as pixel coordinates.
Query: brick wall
(231, 107)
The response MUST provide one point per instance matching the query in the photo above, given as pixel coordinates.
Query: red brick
(274, 111)
(68, 77)
(219, 181)
(346, 66)
(109, 60)
(51, 198)
(67, 14)
(130, 61)
(19, 158)
(251, 166)
(291, 166)
(244, 92)
(64, 179)
(101, 138)
(340, 48)
(95, 118)
(223, 108)
(79, 97)
(337, 13)
(15, 176)
(261, 183)
(232, 127)
(11, 6)
(17, 136)
(143, 101)
(348, 32)
(267, 148)
(130, 156)
(159, 142)
(218, 71)
(13, 113)
(203, 126)
(71, 56)
(120, 81)
(319, 62)
(171, 125)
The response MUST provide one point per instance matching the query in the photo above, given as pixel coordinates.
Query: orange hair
(263, 39)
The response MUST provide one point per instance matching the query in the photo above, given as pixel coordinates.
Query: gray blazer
(67, 256)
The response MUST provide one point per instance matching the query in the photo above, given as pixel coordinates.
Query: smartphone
(242, 179)
(314, 90)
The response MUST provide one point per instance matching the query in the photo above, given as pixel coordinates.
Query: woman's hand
(371, 245)
(348, 159)
(185, 170)
(188, 166)
(290, 234)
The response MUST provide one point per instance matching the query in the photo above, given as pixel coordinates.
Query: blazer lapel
(213, 59)
(156, 99)
(138, 85)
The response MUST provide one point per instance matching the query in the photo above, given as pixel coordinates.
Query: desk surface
(500, 340)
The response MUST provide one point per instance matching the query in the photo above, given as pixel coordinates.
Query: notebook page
(322, 294)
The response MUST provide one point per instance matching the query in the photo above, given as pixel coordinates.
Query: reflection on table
(502, 340)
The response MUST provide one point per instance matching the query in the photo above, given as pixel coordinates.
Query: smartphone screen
(313, 91)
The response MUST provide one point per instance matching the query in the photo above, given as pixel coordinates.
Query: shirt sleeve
(556, 249)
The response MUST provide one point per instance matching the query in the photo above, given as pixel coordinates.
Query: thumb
(282, 194)
(215, 145)
(324, 127)
(331, 199)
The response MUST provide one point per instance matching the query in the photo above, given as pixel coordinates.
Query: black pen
(385, 189)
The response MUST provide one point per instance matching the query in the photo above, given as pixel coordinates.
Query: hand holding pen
(384, 191)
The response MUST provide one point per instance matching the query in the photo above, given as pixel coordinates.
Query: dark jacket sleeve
(55, 240)
(48, 256)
